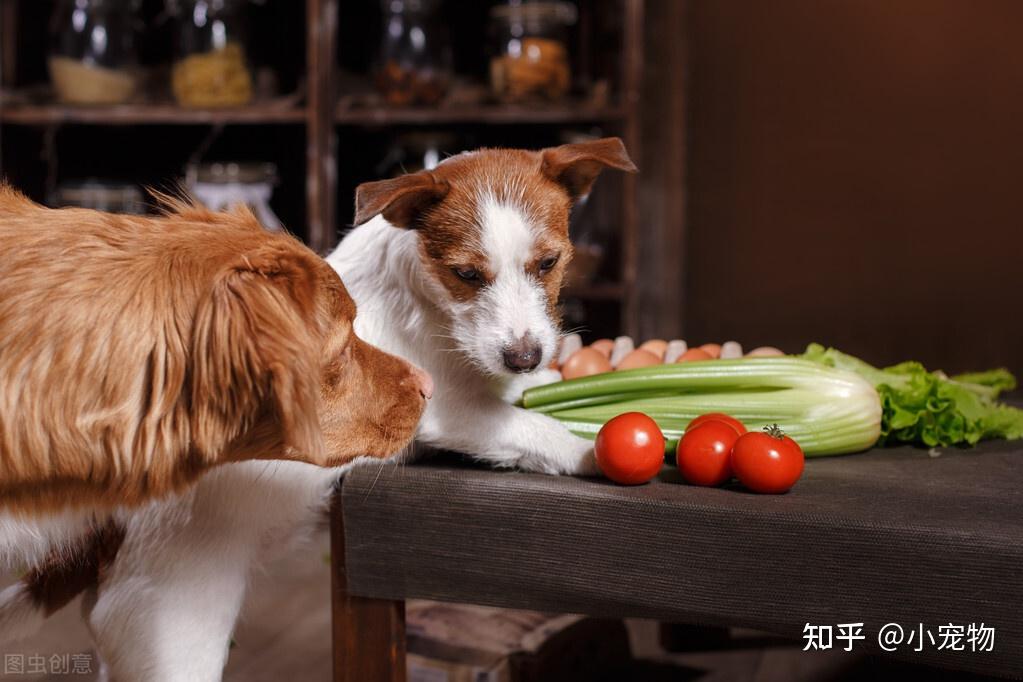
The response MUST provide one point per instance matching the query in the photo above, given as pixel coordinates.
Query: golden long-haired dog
(137, 352)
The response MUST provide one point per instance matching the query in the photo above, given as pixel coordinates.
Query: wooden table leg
(369, 634)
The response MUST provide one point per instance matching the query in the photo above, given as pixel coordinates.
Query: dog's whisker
(372, 485)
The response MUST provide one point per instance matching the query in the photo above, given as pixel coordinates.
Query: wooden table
(907, 536)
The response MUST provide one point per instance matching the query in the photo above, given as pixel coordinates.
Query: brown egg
(694, 355)
(638, 358)
(603, 346)
(764, 352)
(712, 349)
(585, 362)
(655, 346)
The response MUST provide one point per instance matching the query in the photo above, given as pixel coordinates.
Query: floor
(285, 635)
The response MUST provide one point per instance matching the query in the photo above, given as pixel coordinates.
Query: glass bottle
(530, 57)
(211, 67)
(93, 58)
(414, 66)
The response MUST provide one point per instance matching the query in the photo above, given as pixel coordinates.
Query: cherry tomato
(739, 427)
(704, 453)
(630, 448)
(768, 461)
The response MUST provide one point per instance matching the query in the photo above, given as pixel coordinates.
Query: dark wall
(855, 176)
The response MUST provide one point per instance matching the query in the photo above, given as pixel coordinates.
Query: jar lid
(536, 13)
(244, 173)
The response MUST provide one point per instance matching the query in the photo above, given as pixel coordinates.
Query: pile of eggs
(576, 360)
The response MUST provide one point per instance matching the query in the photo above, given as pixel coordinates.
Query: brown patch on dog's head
(576, 166)
(493, 219)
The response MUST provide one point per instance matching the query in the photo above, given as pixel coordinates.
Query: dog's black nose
(523, 355)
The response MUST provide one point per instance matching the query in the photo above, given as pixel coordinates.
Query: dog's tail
(21, 615)
(48, 587)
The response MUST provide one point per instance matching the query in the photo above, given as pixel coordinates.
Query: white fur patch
(26, 539)
(514, 303)
(20, 617)
(505, 235)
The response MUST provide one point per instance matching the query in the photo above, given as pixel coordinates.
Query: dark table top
(905, 535)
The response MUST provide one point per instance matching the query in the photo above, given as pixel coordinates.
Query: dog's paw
(576, 459)
(512, 391)
(586, 462)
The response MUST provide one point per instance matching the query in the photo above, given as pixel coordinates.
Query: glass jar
(101, 195)
(211, 67)
(414, 66)
(530, 59)
(222, 185)
(93, 57)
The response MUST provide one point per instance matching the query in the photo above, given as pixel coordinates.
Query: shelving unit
(155, 114)
(491, 115)
(323, 116)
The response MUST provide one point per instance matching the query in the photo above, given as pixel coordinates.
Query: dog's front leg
(505, 436)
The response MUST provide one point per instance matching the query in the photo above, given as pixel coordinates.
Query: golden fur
(136, 352)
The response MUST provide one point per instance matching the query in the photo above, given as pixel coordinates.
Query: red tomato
(739, 427)
(704, 453)
(767, 462)
(630, 448)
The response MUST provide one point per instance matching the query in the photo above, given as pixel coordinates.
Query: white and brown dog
(457, 269)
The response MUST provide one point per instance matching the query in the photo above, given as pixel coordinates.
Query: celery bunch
(827, 410)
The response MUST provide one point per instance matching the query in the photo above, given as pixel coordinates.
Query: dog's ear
(399, 199)
(256, 348)
(576, 166)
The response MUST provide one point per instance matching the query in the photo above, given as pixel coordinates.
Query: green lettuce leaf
(929, 408)
(990, 383)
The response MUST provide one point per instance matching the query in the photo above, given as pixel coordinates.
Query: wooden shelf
(142, 114)
(605, 291)
(330, 104)
(486, 114)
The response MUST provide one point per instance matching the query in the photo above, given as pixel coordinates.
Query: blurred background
(846, 172)
(842, 172)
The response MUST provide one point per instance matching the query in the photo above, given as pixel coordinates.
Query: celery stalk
(826, 410)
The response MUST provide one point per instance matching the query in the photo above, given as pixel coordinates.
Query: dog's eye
(547, 264)
(468, 274)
